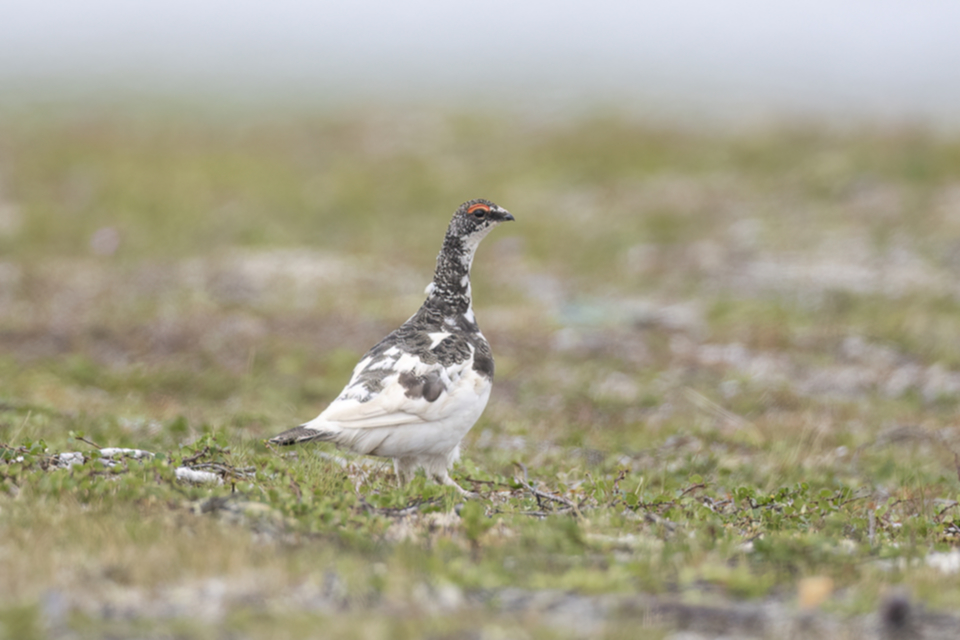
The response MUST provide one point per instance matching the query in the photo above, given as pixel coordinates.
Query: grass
(726, 366)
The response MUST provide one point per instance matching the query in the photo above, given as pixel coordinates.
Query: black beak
(505, 215)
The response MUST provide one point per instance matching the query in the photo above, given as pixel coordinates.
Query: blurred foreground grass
(727, 369)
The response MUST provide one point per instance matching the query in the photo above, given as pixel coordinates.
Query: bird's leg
(445, 479)
(405, 468)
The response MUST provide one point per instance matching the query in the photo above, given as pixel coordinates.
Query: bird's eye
(479, 210)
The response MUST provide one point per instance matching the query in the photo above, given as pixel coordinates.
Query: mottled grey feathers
(428, 387)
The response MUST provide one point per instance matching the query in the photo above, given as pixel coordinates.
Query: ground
(725, 400)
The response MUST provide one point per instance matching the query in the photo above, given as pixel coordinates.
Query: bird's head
(475, 218)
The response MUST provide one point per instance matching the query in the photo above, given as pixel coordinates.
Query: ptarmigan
(415, 394)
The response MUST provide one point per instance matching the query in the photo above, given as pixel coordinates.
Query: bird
(415, 394)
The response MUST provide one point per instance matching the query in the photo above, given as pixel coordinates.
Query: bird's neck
(450, 288)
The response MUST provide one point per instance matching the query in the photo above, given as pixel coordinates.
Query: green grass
(727, 358)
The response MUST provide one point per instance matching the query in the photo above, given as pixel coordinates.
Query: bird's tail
(301, 434)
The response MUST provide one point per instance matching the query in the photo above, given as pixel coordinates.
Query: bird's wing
(405, 397)
(410, 392)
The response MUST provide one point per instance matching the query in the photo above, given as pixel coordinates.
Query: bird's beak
(505, 215)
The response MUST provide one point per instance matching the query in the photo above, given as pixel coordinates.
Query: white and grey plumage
(415, 394)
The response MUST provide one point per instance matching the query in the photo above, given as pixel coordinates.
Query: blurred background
(737, 60)
(192, 192)
(202, 187)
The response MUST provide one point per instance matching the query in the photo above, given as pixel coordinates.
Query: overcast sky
(875, 57)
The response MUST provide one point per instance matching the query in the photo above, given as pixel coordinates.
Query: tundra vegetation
(728, 372)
